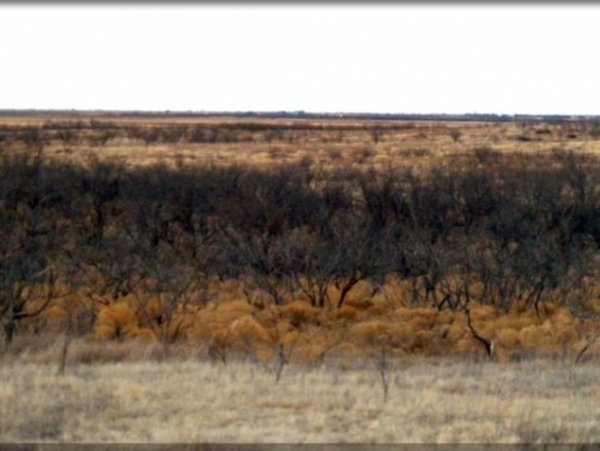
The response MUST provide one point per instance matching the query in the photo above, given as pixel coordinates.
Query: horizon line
(279, 112)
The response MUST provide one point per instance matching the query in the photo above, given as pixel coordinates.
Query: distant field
(222, 140)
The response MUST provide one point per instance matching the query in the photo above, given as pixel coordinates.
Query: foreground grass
(192, 401)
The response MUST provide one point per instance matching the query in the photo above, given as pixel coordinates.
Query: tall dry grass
(191, 401)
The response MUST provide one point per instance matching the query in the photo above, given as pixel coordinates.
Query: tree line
(490, 228)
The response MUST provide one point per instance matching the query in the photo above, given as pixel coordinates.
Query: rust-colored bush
(377, 333)
(425, 342)
(562, 318)
(347, 313)
(141, 334)
(425, 322)
(358, 304)
(347, 351)
(458, 329)
(506, 338)
(268, 316)
(299, 313)
(289, 341)
(517, 308)
(379, 308)
(115, 322)
(360, 295)
(246, 335)
(420, 318)
(215, 317)
(371, 333)
(519, 319)
(536, 337)
(445, 317)
(333, 294)
(153, 309)
(396, 292)
(483, 313)
(249, 330)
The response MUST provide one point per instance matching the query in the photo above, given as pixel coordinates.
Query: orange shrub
(444, 317)
(299, 313)
(347, 313)
(377, 333)
(347, 350)
(519, 319)
(153, 308)
(483, 313)
(268, 316)
(562, 318)
(426, 342)
(141, 334)
(214, 317)
(517, 308)
(506, 338)
(358, 304)
(360, 294)
(249, 330)
(418, 317)
(380, 307)
(470, 346)
(397, 292)
(333, 294)
(458, 329)
(246, 335)
(424, 322)
(536, 337)
(289, 341)
(115, 321)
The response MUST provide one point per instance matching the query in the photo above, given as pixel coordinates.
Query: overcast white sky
(403, 58)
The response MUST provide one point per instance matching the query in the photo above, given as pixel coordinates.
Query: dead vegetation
(225, 141)
(330, 277)
(186, 402)
(296, 240)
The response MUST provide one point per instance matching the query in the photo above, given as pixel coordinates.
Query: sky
(331, 58)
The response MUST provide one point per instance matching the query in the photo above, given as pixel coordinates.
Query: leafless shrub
(334, 154)
(455, 134)
(486, 155)
(377, 134)
(365, 154)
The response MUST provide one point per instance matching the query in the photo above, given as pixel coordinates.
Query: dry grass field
(136, 340)
(191, 402)
(327, 142)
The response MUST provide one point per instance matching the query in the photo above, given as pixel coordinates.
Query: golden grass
(190, 401)
(330, 143)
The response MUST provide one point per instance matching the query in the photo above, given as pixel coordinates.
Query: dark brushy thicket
(495, 229)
